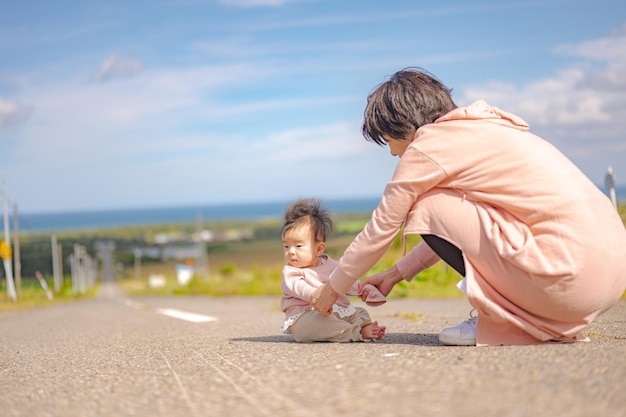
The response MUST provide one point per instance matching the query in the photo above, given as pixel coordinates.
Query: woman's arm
(416, 174)
(384, 281)
(420, 258)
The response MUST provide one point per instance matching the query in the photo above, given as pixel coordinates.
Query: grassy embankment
(32, 295)
(254, 267)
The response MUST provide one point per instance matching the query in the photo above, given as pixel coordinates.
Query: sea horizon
(76, 220)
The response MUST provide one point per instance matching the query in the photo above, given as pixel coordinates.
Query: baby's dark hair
(308, 210)
(410, 99)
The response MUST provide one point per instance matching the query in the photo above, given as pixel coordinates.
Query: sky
(120, 104)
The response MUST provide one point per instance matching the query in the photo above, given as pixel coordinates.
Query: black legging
(446, 251)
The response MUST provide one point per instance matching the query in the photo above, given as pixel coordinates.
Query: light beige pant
(311, 326)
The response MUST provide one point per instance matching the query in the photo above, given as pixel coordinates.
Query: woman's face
(397, 146)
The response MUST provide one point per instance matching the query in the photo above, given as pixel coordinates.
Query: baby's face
(300, 247)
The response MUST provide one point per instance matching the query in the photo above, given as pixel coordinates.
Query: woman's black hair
(410, 99)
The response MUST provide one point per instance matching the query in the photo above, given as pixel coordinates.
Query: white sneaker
(462, 335)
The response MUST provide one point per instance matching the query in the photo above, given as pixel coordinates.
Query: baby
(304, 234)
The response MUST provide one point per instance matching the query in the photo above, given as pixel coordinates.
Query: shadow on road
(420, 339)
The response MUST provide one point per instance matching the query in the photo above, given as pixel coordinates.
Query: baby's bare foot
(373, 331)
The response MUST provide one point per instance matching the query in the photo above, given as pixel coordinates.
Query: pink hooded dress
(544, 249)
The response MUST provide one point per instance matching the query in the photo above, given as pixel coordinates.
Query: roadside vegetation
(31, 294)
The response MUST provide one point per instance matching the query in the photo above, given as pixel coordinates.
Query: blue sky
(132, 104)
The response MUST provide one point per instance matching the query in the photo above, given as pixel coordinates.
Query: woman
(541, 249)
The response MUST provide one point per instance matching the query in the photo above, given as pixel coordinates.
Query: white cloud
(116, 66)
(581, 109)
(148, 99)
(151, 121)
(248, 46)
(312, 144)
(556, 101)
(609, 48)
(611, 51)
(255, 3)
(12, 114)
(588, 92)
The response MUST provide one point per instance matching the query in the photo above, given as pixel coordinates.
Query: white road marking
(185, 315)
(132, 304)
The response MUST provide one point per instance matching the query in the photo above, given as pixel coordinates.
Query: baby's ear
(321, 247)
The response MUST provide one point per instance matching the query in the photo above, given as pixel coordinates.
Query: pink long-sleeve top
(298, 285)
(543, 247)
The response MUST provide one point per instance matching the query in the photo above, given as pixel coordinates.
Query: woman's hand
(384, 281)
(323, 299)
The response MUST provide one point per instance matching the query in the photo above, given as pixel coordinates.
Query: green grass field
(31, 295)
(254, 268)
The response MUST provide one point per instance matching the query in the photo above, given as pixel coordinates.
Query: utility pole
(17, 260)
(137, 253)
(105, 251)
(5, 246)
(609, 183)
(56, 264)
(202, 259)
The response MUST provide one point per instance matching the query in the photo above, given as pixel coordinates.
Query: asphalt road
(115, 356)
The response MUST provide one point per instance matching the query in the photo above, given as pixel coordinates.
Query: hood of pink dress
(480, 110)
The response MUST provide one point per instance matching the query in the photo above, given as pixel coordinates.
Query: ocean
(101, 219)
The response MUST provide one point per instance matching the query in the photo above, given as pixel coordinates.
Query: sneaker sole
(453, 341)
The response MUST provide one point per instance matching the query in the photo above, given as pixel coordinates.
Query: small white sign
(156, 281)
